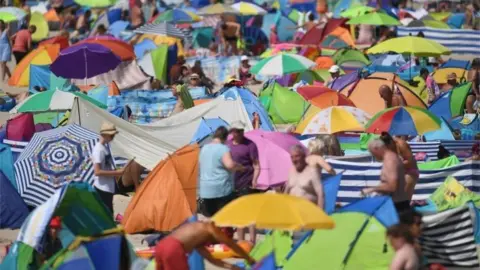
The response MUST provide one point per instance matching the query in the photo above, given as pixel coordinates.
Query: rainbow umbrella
(403, 121)
(176, 16)
(248, 9)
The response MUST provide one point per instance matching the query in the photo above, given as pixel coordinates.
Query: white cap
(243, 58)
(432, 60)
(334, 69)
(237, 125)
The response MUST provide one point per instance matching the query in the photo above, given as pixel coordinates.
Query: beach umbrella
(428, 23)
(161, 29)
(273, 211)
(177, 15)
(323, 97)
(410, 45)
(95, 3)
(84, 61)
(52, 100)
(53, 158)
(217, 9)
(43, 55)
(356, 11)
(8, 14)
(117, 46)
(374, 18)
(337, 119)
(248, 9)
(403, 121)
(40, 22)
(282, 64)
(274, 156)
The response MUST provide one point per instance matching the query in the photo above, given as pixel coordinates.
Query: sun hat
(237, 125)
(334, 69)
(244, 58)
(108, 129)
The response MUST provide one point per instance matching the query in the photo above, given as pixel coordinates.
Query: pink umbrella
(274, 156)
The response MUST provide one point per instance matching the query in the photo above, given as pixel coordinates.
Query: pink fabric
(21, 128)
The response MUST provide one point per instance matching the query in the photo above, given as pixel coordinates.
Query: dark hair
(386, 138)
(311, 17)
(424, 71)
(420, 34)
(221, 133)
(442, 152)
(224, 26)
(476, 63)
(401, 230)
(408, 217)
(33, 28)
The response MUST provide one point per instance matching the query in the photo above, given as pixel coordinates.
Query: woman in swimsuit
(399, 145)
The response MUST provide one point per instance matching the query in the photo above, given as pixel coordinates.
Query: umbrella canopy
(356, 11)
(248, 9)
(337, 119)
(8, 14)
(40, 22)
(282, 64)
(274, 156)
(217, 9)
(90, 60)
(273, 211)
(428, 23)
(410, 45)
(403, 121)
(323, 97)
(53, 100)
(60, 40)
(53, 158)
(177, 15)
(117, 46)
(375, 18)
(43, 55)
(95, 3)
(161, 29)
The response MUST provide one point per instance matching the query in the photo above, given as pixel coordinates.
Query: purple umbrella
(84, 61)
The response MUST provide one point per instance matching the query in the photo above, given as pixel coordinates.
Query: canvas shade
(246, 8)
(273, 211)
(206, 128)
(167, 197)
(43, 55)
(337, 119)
(282, 64)
(39, 21)
(410, 45)
(117, 46)
(53, 158)
(375, 18)
(403, 121)
(53, 100)
(364, 92)
(176, 16)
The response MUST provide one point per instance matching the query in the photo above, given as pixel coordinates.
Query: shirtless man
(171, 252)
(402, 242)
(392, 177)
(391, 99)
(229, 34)
(402, 148)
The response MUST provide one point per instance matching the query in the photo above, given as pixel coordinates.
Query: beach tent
(357, 241)
(110, 251)
(42, 76)
(348, 55)
(444, 133)
(40, 22)
(206, 128)
(81, 211)
(6, 164)
(13, 210)
(43, 55)
(154, 63)
(459, 67)
(338, 38)
(364, 92)
(285, 27)
(116, 28)
(202, 37)
(167, 197)
(452, 103)
(283, 105)
(53, 20)
(20, 128)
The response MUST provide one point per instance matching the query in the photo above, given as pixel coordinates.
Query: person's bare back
(392, 166)
(193, 235)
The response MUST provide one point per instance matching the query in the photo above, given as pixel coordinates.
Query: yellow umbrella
(248, 9)
(273, 211)
(410, 45)
(337, 119)
(217, 9)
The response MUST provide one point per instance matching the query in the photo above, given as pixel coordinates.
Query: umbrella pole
(86, 65)
(78, 111)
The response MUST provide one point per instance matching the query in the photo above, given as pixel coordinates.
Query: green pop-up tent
(283, 105)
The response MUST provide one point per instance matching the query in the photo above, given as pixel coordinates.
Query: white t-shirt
(101, 155)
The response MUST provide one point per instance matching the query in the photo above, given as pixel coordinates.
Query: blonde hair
(325, 145)
(317, 147)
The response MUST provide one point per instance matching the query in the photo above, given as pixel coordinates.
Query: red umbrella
(323, 97)
(61, 40)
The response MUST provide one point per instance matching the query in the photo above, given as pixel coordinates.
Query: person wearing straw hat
(452, 82)
(103, 165)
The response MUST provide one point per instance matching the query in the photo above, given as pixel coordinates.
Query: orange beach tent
(168, 196)
(364, 92)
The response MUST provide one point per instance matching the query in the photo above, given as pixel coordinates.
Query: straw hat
(108, 129)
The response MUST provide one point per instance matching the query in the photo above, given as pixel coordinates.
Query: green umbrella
(356, 11)
(429, 23)
(7, 17)
(53, 100)
(95, 3)
(375, 18)
(281, 64)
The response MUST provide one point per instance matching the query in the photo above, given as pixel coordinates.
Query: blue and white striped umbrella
(53, 158)
(161, 29)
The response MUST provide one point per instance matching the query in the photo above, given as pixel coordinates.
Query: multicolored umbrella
(374, 18)
(403, 121)
(176, 16)
(117, 46)
(53, 158)
(282, 64)
(356, 11)
(410, 45)
(248, 9)
(52, 100)
(217, 9)
(323, 97)
(273, 211)
(90, 60)
(337, 119)
(95, 3)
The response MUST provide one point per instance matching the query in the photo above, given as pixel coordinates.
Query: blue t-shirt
(215, 179)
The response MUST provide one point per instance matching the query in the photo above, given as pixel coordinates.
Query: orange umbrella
(324, 97)
(60, 40)
(118, 47)
(324, 62)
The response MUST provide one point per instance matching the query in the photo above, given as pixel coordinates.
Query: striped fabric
(461, 149)
(459, 41)
(16, 147)
(448, 238)
(162, 28)
(53, 158)
(360, 175)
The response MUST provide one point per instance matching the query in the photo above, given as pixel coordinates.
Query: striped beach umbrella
(162, 29)
(281, 64)
(52, 159)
